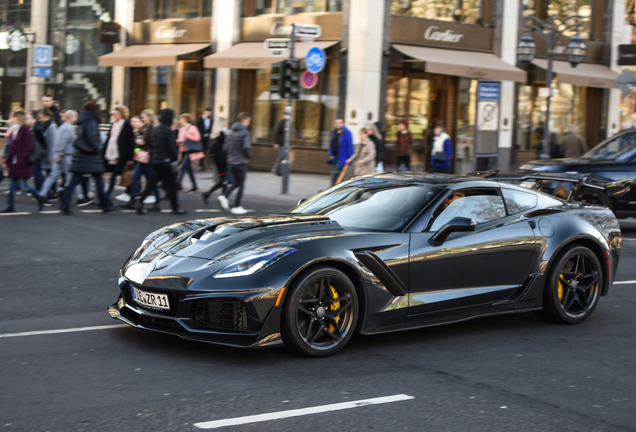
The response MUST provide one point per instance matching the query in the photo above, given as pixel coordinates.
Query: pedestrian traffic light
(291, 72)
(277, 78)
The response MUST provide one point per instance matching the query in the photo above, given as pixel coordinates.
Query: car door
(487, 265)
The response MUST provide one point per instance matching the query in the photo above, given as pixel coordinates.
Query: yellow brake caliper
(334, 307)
(560, 288)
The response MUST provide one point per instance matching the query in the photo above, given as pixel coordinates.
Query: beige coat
(364, 158)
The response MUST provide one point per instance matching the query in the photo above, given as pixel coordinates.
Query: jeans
(239, 173)
(187, 167)
(37, 174)
(104, 199)
(161, 172)
(141, 169)
(18, 184)
(63, 167)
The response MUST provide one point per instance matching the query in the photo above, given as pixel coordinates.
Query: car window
(518, 201)
(479, 205)
(621, 148)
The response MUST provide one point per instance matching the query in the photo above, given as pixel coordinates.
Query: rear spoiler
(582, 186)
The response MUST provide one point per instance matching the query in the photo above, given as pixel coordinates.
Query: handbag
(37, 154)
(126, 174)
(440, 156)
(196, 155)
(142, 156)
(193, 146)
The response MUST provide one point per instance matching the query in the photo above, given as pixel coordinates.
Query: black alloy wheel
(320, 313)
(573, 287)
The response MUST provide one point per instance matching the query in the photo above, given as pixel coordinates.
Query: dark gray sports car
(375, 254)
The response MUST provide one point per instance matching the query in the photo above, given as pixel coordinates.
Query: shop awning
(153, 55)
(463, 63)
(253, 55)
(585, 74)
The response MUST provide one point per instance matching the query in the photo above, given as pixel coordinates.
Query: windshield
(371, 204)
(620, 148)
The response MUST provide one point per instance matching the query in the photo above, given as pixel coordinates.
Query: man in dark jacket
(237, 146)
(204, 124)
(87, 158)
(163, 155)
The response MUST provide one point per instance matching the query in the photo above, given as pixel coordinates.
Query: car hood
(211, 238)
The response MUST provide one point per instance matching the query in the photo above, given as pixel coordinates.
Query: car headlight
(253, 263)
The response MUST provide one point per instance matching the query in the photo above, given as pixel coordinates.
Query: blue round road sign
(315, 59)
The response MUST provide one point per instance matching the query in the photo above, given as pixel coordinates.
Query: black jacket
(125, 146)
(163, 145)
(82, 162)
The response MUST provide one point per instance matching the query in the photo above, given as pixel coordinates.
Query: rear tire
(573, 286)
(320, 313)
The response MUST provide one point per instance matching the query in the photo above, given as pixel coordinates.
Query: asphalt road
(62, 371)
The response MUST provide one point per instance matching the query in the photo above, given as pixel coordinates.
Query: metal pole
(548, 78)
(288, 122)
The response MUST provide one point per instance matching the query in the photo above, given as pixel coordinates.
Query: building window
(263, 7)
(567, 108)
(465, 11)
(543, 9)
(165, 9)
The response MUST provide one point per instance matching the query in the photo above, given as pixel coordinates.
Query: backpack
(38, 153)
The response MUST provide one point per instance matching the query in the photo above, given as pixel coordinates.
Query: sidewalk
(265, 184)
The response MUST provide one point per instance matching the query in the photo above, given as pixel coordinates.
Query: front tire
(320, 313)
(573, 286)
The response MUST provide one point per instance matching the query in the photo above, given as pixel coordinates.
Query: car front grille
(220, 314)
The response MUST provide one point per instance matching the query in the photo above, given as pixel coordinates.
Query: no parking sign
(308, 79)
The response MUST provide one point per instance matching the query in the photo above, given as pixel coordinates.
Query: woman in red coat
(17, 160)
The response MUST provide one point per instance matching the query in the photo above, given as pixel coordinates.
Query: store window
(562, 9)
(313, 113)
(165, 9)
(464, 11)
(263, 7)
(408, 100)
(567, 109)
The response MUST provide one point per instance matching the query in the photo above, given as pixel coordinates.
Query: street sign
(308, 79)
(41, 72)
(315, 59)
(307, 30)
(43, 55)
(277, 46)
(626, 82)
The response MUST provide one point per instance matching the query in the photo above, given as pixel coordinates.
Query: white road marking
(207, 210)
(58, 331)
(15, 214)
(629, 282)
(301, 412)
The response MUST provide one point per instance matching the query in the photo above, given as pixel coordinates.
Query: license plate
(150, 300)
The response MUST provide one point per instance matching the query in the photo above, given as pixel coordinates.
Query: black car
(614, 159)
(375, 254)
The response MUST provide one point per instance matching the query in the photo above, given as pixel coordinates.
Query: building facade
(426, 62)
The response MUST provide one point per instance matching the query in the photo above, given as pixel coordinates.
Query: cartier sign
(426, 32)
(172, 31)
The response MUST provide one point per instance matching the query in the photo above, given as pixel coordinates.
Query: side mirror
(457, 224)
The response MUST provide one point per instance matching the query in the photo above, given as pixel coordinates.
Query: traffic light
(277, 78)
(291, 84)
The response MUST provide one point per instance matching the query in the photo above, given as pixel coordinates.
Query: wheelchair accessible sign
(315, 59)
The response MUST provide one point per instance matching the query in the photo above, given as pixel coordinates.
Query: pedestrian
(142, 127)
(163, 160)
(53, 107)
(220, 160)
(87, 158)
(204, 124)
(404, 146)
(573, 145)
(340, 148)
(119, 149)
(441, 151)
(364, 157)
(31, 119)
(377, 137)
(49, 133)
(189, 141)
(279, 144)
(17, 161)
(237, 147)
(62, 154)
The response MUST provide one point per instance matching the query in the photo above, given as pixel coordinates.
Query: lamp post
(551, 29)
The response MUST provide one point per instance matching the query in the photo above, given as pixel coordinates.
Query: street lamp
(552, 29)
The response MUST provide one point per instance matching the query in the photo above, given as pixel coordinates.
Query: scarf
(438, 142)
(112, 150)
